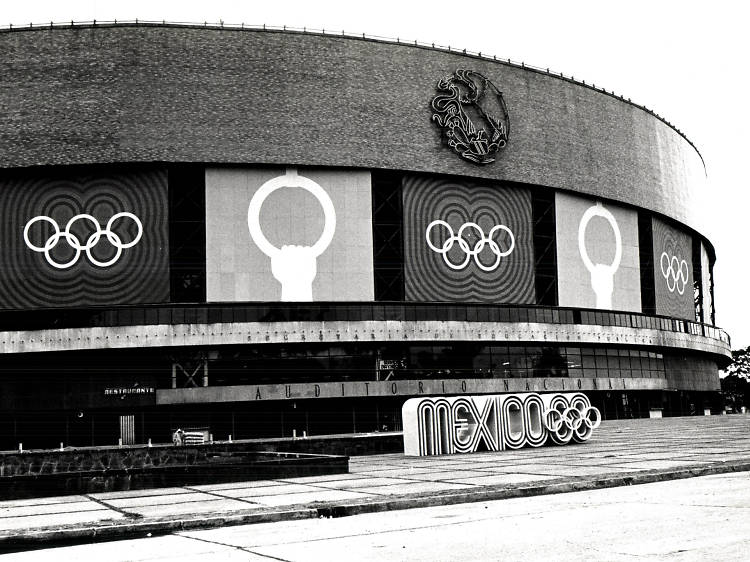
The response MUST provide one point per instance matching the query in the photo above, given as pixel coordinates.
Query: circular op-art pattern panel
(464, 242)
(84, 240)
(673, 271)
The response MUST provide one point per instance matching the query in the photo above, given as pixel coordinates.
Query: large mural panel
(80, 240)
(466, 242)
(288, 235)
(597, 254)
(673, 271)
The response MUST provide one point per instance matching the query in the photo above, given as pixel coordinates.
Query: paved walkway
(619, 453)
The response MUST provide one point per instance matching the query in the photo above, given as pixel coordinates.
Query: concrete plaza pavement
(620, 452)
(704, 518)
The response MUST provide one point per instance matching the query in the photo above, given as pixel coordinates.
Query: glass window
(624, 363)
(482, 365)
(499, 350)
(601, 364)
(575, 372)
(550, 363)
(588, 362)
(517, 367)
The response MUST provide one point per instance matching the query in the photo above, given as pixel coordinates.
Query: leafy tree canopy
(740, 365)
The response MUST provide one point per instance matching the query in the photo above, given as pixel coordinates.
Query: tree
(740, 365)
(735, 386)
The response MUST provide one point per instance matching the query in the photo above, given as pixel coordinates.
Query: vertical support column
(646, 260)
(545, 246)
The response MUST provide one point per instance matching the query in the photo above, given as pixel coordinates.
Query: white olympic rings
(470, 252)
(291, 179)
(676, 274)
(572, 422)
(599, 210)
(75, 243)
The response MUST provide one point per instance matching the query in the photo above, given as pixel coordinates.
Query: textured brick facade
(180, 94)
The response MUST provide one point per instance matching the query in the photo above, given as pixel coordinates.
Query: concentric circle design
(93, 274)
(455, 272)
(673, 271)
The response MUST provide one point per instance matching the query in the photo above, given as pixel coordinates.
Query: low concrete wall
(34, 463)
(43, 473)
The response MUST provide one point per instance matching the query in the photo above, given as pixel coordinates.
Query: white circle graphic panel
(598, 264)
(602, 274)
(293, 266)
(285, 235)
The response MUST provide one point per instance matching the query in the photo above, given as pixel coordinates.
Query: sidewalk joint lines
(221, 496)
(240, 548)
(128, 514)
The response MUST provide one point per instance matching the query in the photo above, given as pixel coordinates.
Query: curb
(490, 493)
(79, 534)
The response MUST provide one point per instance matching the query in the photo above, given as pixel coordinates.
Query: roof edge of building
(10, 28)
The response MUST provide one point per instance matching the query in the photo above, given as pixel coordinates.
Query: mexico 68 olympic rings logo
(470, 252)
(675, 272)
(572, 423)
(74, 242)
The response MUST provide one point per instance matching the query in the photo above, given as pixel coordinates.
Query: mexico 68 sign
(466, 424)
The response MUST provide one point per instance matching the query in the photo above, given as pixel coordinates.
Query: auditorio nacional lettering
(277, 232)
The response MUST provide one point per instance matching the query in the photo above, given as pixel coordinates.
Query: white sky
(685, 60)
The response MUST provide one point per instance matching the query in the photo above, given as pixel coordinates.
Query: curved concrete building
(264, 233)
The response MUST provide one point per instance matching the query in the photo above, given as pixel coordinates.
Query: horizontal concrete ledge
(129, 529)
(173, 335)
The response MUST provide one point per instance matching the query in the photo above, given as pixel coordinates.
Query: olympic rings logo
(675, 272)
(75, 243)
(464, 245)
(572, 423)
